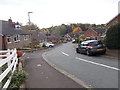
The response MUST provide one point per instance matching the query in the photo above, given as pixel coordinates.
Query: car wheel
(50, 46)
(77, 50)
(88, 53)
(104, 52)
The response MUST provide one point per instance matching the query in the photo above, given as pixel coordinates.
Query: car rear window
(95, 43)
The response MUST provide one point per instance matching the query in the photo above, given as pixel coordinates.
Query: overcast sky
(47, 13)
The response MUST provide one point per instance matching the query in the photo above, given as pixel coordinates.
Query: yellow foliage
(77, 29)
(91, 25)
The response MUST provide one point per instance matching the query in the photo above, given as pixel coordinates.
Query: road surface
(42, 75)
(96, 71)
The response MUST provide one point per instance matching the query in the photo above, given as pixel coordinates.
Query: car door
(84, 47)
(79, 48)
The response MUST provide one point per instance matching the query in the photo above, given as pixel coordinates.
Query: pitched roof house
(12, 36)
(77, 29)
(43, 36)
(94, 33)
(116, 19)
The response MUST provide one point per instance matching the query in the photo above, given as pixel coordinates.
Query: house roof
(113, 18)
(6, 29)
(42, 35)
(81, 32)
(98, 30)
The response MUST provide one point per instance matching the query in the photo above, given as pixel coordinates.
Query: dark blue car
(91, 47)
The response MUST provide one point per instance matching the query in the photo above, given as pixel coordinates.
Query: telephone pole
(29, 22)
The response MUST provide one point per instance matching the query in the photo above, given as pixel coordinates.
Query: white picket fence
(8, 57)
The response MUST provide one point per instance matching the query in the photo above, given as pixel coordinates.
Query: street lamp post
(29, 18)
(30, 28)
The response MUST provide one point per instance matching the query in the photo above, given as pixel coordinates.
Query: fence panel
(9, 58)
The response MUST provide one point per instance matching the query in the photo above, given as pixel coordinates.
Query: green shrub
(112, 37)
(18, 78)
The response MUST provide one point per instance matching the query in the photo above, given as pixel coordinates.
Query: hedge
(112, 37)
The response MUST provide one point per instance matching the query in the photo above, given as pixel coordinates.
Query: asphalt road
(42, 75)
(96, 71)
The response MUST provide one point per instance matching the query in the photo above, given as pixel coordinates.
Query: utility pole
(29, 18)
(30, 29)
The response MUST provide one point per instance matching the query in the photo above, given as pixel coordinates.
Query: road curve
(95, 71)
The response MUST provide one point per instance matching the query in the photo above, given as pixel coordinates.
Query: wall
(90, 33)
(20, 44)
(113, 21)
(0, 42)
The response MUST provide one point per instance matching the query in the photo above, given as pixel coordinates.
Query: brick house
(116, 19)
(12, 36)
(94, 33)
(67, 37)
(41, 37)
(0, 41)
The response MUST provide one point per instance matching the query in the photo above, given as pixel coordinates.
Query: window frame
(9, 41)
(25, 37)
(17, 36)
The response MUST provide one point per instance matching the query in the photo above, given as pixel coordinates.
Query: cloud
(55, 12)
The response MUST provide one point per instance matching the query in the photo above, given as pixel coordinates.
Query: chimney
(11, 23)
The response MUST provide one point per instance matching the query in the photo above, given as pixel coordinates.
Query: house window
(17, 27)
(9, 39)
(17, 38)
(25, 37)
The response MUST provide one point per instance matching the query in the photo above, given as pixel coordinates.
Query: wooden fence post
(11, 61)
(0, 74)
(8, 54)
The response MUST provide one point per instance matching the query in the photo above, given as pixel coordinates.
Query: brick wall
(18, 44)
(113, 21)
(0, 42)
(90, 33)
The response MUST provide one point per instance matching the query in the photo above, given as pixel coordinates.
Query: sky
(47, 13)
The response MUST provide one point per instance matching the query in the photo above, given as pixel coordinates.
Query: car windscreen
(95, 43)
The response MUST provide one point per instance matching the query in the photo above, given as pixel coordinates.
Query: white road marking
(65, 54)
(114, 68)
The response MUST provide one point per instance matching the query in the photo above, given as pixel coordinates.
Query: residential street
(97, 71)
(42, 75)
(57, 44)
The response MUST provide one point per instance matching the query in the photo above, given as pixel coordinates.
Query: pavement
(42, 75)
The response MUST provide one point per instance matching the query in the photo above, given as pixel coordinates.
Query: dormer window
(17, 27)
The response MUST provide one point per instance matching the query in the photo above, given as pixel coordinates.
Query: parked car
(64, 41)
(91, 47)
(49, 44)
(73, 41)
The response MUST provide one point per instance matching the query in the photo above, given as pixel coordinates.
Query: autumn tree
(77, 29)
(59, 30)
(30, 27)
